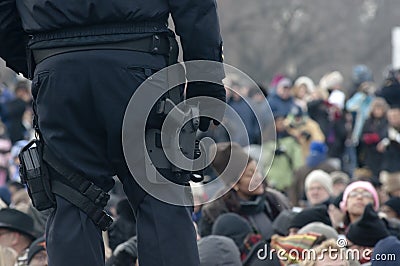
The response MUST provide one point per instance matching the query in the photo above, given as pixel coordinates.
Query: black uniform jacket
(52, 23)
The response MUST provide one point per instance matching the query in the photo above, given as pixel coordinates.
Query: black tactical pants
(81, 98)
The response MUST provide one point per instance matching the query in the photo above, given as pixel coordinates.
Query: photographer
(304, 129)
(287, 156)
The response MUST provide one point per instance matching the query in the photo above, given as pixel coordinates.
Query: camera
(306, 135)
(280, 151)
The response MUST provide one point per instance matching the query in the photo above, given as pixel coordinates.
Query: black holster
(34, 174)
(35, 158)
(187, 142)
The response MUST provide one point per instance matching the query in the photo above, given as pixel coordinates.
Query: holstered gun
(183, 140)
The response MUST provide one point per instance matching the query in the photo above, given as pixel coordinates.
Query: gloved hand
(393, 134)
(125, 254)
(200, 88)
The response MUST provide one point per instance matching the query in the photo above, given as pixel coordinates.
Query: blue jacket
(280, 106)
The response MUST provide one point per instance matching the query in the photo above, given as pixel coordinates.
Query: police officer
(86, 59)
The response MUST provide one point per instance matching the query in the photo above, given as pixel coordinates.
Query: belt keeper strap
(78, 182)
(98, 216)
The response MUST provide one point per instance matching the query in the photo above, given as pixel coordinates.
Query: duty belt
(155, 44)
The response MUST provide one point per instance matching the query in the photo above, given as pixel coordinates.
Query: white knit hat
(321, 177)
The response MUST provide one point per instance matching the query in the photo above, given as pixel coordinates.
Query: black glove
(125, 254)
(122, 259)
(200, 88)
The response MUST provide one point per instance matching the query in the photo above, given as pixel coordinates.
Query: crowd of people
(331, 176)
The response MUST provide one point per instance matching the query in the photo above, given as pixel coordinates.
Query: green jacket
(286, 157)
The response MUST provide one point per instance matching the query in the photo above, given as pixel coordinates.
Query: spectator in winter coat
(390, 146)
(374, 130)
(259, 206)
(282, 100)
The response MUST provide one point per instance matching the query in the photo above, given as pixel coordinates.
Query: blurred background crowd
(325, 146)
(329, 172)
(334, 171)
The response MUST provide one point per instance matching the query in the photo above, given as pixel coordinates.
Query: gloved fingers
(204, 123)
(216, 122)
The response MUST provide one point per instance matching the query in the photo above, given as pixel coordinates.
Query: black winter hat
(282, 222)
(386, 246)
(218, 250)
(17, 221)
(368, 230)
(314, 214)
(233, 226)
(36, 246)
(394, 203)
(124, 209)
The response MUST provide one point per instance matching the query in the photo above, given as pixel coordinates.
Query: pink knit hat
(359, 184)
